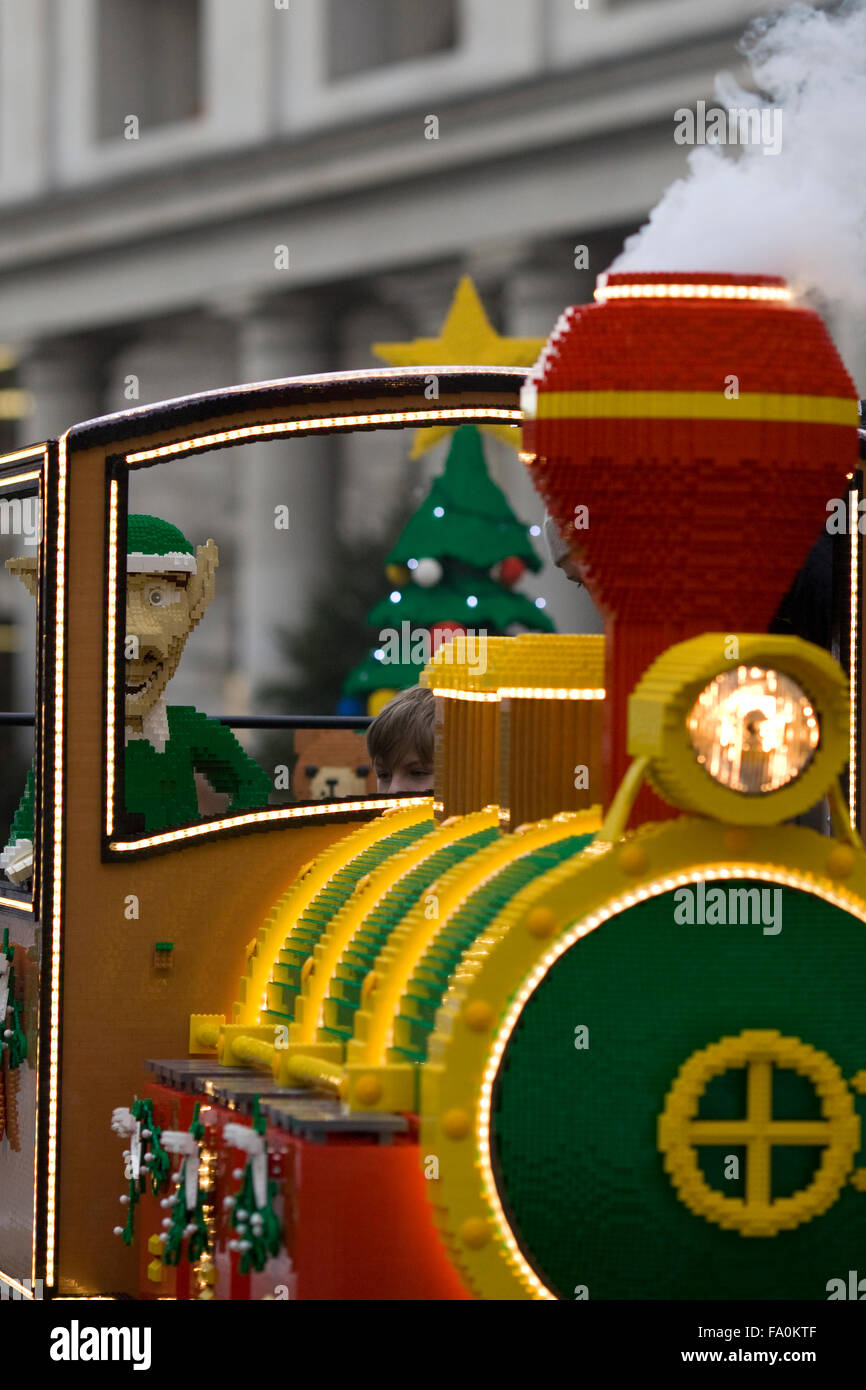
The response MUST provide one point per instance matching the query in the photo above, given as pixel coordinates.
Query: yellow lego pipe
(310, 1004)
(300, 895)
(287, 1070)
(253, 1051)
(299, 1070)
(394, 968)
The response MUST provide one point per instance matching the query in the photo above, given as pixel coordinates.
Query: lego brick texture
(574, 1132)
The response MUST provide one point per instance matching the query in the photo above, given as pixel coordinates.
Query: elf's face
(161, 612)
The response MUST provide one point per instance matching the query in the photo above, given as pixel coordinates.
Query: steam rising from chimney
(800, 212)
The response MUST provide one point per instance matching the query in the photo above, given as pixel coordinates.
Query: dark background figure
(811, 607)
(816, 608)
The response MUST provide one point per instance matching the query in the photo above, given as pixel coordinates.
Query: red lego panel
(365, 1226)
(357, 1221)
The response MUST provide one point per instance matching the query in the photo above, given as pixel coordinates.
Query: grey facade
(155, 155)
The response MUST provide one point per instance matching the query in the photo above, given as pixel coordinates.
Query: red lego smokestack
(686, 431)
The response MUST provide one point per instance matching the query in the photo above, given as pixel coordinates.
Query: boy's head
(400, 743)
(559, 550)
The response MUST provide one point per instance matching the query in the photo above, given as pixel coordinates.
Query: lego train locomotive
(588, 1022)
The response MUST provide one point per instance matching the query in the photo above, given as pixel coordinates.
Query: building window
(148, 63)
(361, 37)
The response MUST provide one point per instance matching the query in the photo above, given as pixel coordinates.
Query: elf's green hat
(154, 546)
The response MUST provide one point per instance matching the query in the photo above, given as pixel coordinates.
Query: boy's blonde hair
(404, 725)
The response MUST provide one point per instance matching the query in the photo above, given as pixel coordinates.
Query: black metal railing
(245, 721)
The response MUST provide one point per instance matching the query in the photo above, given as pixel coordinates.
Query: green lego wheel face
(674, 1115)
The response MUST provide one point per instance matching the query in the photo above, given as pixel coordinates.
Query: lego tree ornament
(427, 572)
(509, 570)
(444, 632)
(145, 1158)
(463, 530)
(252, 1210)
(186, 1204)
(685, 431)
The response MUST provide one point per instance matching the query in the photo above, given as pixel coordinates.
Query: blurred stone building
(155, 154)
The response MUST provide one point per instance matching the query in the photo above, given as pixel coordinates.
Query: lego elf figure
(168, 589)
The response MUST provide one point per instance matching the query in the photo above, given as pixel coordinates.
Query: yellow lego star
(467, 339)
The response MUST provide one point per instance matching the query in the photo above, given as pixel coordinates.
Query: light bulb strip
(330, 422)
(19, 1288)
(270, 817)
(772, 294)
(17, 478)
(57, 866)
(523, 692)
(32, 451)
(853, 646)
(519, 692)
(110, 696)
(14, 902)
(482, 696)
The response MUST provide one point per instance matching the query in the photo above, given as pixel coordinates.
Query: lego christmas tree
(452, 570)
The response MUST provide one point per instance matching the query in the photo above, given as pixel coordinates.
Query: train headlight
(748, 729)
(753, 730)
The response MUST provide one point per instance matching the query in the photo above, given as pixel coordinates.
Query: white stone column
(65, 380)
(421, 297)
(279, 571)
(375, 472)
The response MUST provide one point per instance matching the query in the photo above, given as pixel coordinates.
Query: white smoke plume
(801, 212)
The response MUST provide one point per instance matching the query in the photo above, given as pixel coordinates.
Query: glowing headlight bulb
(753, 730)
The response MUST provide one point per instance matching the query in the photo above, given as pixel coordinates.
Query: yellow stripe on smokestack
(691, 405)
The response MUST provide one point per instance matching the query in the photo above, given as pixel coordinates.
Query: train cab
(585, 1022)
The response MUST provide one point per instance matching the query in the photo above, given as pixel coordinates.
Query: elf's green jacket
(161, 786)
